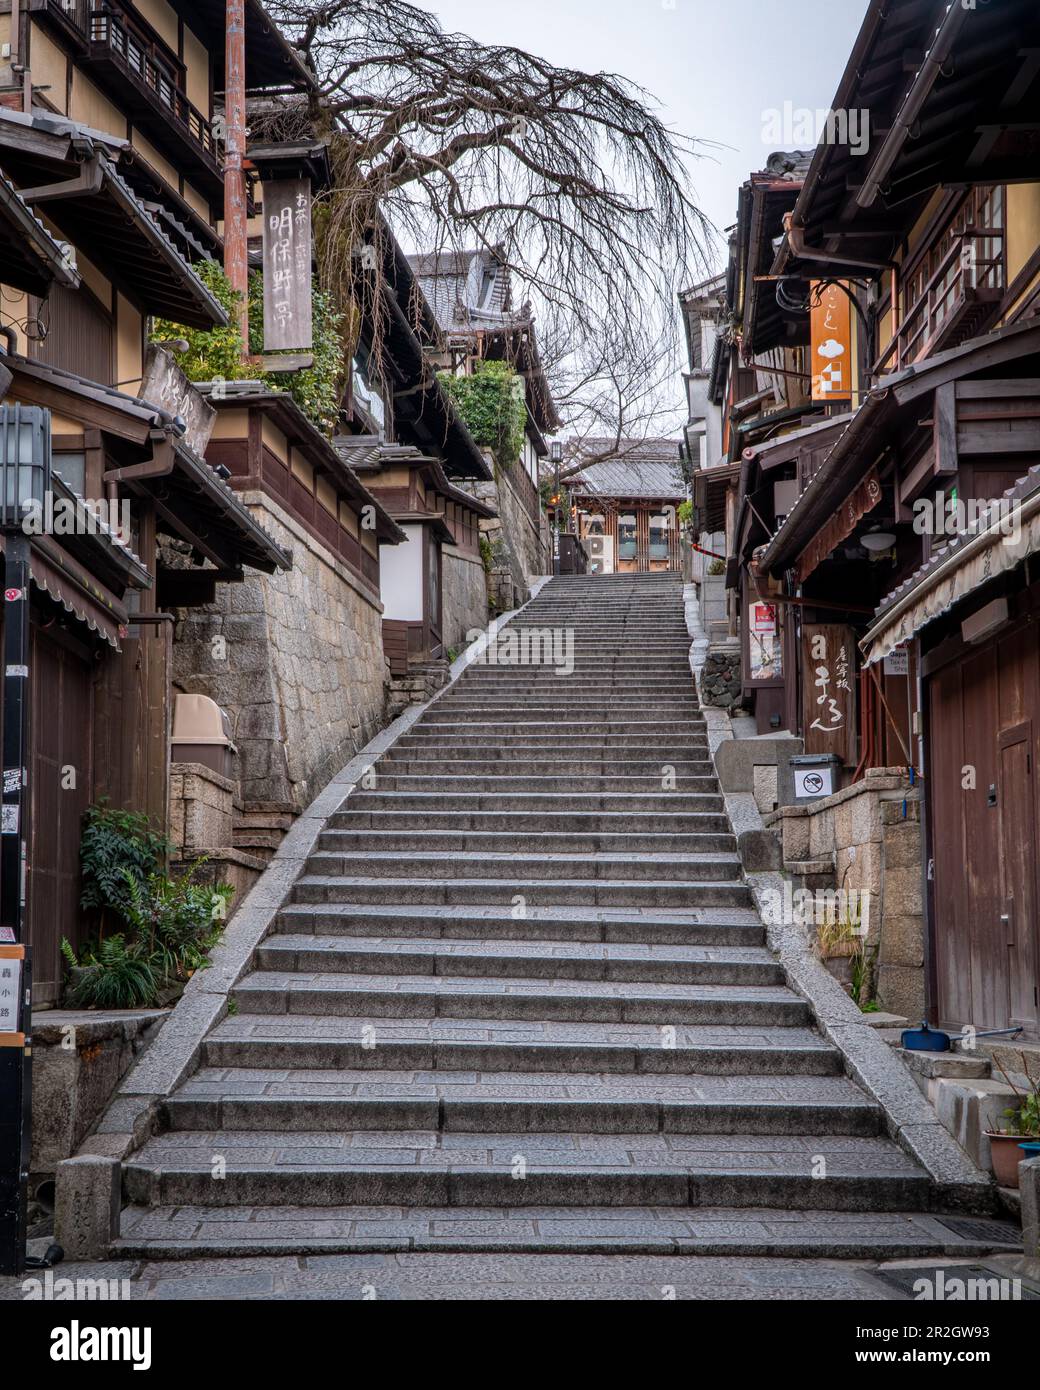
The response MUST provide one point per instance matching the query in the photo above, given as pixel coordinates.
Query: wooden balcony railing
(950, 299)
(111, 36)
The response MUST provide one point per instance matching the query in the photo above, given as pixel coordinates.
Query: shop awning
(69, 584)
(1004, 537)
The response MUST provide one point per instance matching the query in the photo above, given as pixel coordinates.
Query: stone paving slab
(562, 951)
(827, 1234)
(243, 1082)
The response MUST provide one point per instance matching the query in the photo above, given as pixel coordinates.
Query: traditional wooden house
(85, 259)
(471, 296)
(624, 504)
(916, 520)
(432, 587)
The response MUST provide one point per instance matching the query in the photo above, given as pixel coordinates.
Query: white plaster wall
(401, 578)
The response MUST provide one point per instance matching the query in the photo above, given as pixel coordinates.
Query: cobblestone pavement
(498, 1278)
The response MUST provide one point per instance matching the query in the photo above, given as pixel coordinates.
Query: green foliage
(117, 848)
(165, 926)
(212, 352)
(487, 557)
(684, 512)
(491, 402)
(179, 918)
(215, 353)
(319, 389)
(1024, 1117)
(114, 975)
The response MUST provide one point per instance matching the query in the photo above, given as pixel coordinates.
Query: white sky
(715, 66)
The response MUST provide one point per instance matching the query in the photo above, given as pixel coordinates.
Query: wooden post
(236, 244)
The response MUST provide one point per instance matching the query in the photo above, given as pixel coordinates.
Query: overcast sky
(714, 67)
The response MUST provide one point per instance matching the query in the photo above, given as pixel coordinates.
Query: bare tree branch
(571, 177)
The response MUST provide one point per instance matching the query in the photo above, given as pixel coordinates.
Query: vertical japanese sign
(829, 690)
(830, 329)
(287, 265)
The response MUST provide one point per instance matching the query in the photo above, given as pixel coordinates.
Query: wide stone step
(643, 824)
(524, 840)
(431, 743)
(560, 767)
(554, 960)
(523, 892)
(521, 1102)
(720, 926)
(492, 729)
(448, 864)
(364, 799)
(354, 995)
(318, 1168)
(319, 1042)
(487, 782)
(178, 1232)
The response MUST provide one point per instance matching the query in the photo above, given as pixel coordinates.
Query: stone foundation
(519, 540)
(297, 661)
(721, 681)
(872, 845)
(78, 1060)
(464, 597)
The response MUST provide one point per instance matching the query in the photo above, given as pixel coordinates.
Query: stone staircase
(520, 1000)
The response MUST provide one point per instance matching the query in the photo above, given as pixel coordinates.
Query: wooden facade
(111, 128)
(842, 512)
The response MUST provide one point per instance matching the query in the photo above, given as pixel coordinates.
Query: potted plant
(1023, 1124)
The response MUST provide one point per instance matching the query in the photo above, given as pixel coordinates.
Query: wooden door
(61, 714)
(1018, 865)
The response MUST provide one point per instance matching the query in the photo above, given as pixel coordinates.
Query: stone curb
(909, 1119)
(132, 1114)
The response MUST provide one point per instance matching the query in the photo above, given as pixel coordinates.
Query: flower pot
(1005, 1157)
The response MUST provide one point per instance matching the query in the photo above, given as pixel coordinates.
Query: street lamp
(25, 478)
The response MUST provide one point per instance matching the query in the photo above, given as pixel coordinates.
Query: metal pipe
(236, 235)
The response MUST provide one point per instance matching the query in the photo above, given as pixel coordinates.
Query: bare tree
(571, 177)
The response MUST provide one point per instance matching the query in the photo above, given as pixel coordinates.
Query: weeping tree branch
(570, 177)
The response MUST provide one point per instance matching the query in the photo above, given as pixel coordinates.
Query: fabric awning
(962, 567)
(863, 498)
(77, 591)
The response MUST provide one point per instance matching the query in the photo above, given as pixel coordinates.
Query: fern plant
(115, 975)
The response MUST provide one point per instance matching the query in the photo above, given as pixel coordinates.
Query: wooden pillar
(236, 239)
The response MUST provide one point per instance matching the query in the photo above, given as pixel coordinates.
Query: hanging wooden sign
(829, 690)
(830, 329)
(288, 316)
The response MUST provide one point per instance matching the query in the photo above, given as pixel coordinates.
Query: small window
(72, 470)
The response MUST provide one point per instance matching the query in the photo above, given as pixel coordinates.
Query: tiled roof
(637, 468)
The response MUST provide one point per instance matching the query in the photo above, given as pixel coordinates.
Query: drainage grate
(974, 1229)
(960, 1282)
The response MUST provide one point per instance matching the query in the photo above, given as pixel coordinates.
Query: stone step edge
(175, 1052)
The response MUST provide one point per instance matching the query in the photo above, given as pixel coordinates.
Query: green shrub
(216, 353)
(212, 352)
(491, 402)
(117, 848)
(164, 927)
(112, 975)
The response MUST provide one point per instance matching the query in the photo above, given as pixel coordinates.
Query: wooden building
(424, 611)
(101, 636)
(893, 548)
(624, 503)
